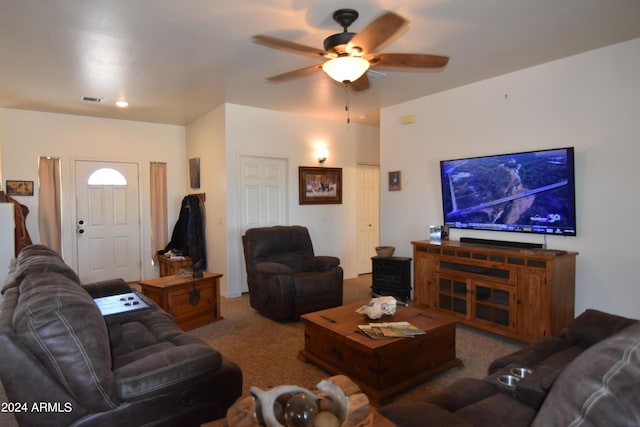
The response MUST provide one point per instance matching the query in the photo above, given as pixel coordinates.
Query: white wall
(259, 132)
(26, 135)
(7, 242)
(589, 101)
(206, 140)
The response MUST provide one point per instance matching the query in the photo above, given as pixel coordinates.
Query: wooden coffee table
(385, 367)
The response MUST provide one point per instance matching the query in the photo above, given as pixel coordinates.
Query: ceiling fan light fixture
(346, 69)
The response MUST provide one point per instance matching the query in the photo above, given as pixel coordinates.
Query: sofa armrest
(156, 373)
(273, 268)
(107, 288)
(324, 263)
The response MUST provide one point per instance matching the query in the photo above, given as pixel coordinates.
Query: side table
(170, 266)
(191, 301)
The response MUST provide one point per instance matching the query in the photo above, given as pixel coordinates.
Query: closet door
(263, 194)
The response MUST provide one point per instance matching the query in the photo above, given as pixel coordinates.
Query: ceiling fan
(349, 55)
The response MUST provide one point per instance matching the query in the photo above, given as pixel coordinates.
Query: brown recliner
(285, 278)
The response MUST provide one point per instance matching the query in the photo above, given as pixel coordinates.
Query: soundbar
(489, 242)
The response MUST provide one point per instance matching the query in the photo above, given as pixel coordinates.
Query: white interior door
(368, 211)
(263, 194)
(107, 221)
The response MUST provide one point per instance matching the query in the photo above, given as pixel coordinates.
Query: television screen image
(528, 192)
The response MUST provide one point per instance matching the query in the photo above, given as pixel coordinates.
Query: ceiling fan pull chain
(346, 107)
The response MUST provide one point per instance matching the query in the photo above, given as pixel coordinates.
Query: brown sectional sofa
(589, 375)
(58, 353)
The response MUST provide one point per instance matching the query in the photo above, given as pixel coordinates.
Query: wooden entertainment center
(522, 294)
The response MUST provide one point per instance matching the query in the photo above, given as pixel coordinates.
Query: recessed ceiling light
(122, 104)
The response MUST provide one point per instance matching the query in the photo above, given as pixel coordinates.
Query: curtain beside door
(50, 214)
(159, 222)
(49, 205)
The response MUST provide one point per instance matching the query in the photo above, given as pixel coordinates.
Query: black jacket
(188, 237)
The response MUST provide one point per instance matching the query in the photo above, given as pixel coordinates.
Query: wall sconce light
(322, 154)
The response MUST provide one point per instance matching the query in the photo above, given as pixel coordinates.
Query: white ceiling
(174, 60)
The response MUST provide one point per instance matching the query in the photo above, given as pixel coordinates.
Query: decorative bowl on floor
(385, 251)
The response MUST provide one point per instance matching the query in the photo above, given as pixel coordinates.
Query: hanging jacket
(20, 212)
(188, 237)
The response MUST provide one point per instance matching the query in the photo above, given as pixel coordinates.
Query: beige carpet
(266, 351)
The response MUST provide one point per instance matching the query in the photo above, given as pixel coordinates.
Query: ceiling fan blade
(361, 84)
(407, 60)
(289, 46)
(377, 32)
(300, 72)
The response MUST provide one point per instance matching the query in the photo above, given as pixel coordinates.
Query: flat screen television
(527, 192)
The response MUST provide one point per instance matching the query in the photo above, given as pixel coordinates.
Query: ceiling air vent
(91, 99)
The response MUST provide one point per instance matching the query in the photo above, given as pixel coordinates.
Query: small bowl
(508, 380)
(385, 251)
(521, 372)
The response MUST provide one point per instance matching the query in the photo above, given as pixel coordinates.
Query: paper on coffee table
(390, 330)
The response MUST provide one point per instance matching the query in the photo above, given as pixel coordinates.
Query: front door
(107, 221)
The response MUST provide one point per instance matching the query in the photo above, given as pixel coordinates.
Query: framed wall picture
(394, 181)
(318, 186)
(194, 172)
(19, 188)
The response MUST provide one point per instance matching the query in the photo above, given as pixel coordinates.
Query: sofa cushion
(60, 324)
(531, 355)
(599, 387)
(562, 358)
(155, 356)
(129, 337)
(461, 393)
(498, 410)
(36, 249)
(40, 259)
(422, 414)
(593, 326)
(167, 368)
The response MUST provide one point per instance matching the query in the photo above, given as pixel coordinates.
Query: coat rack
(202, 196)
